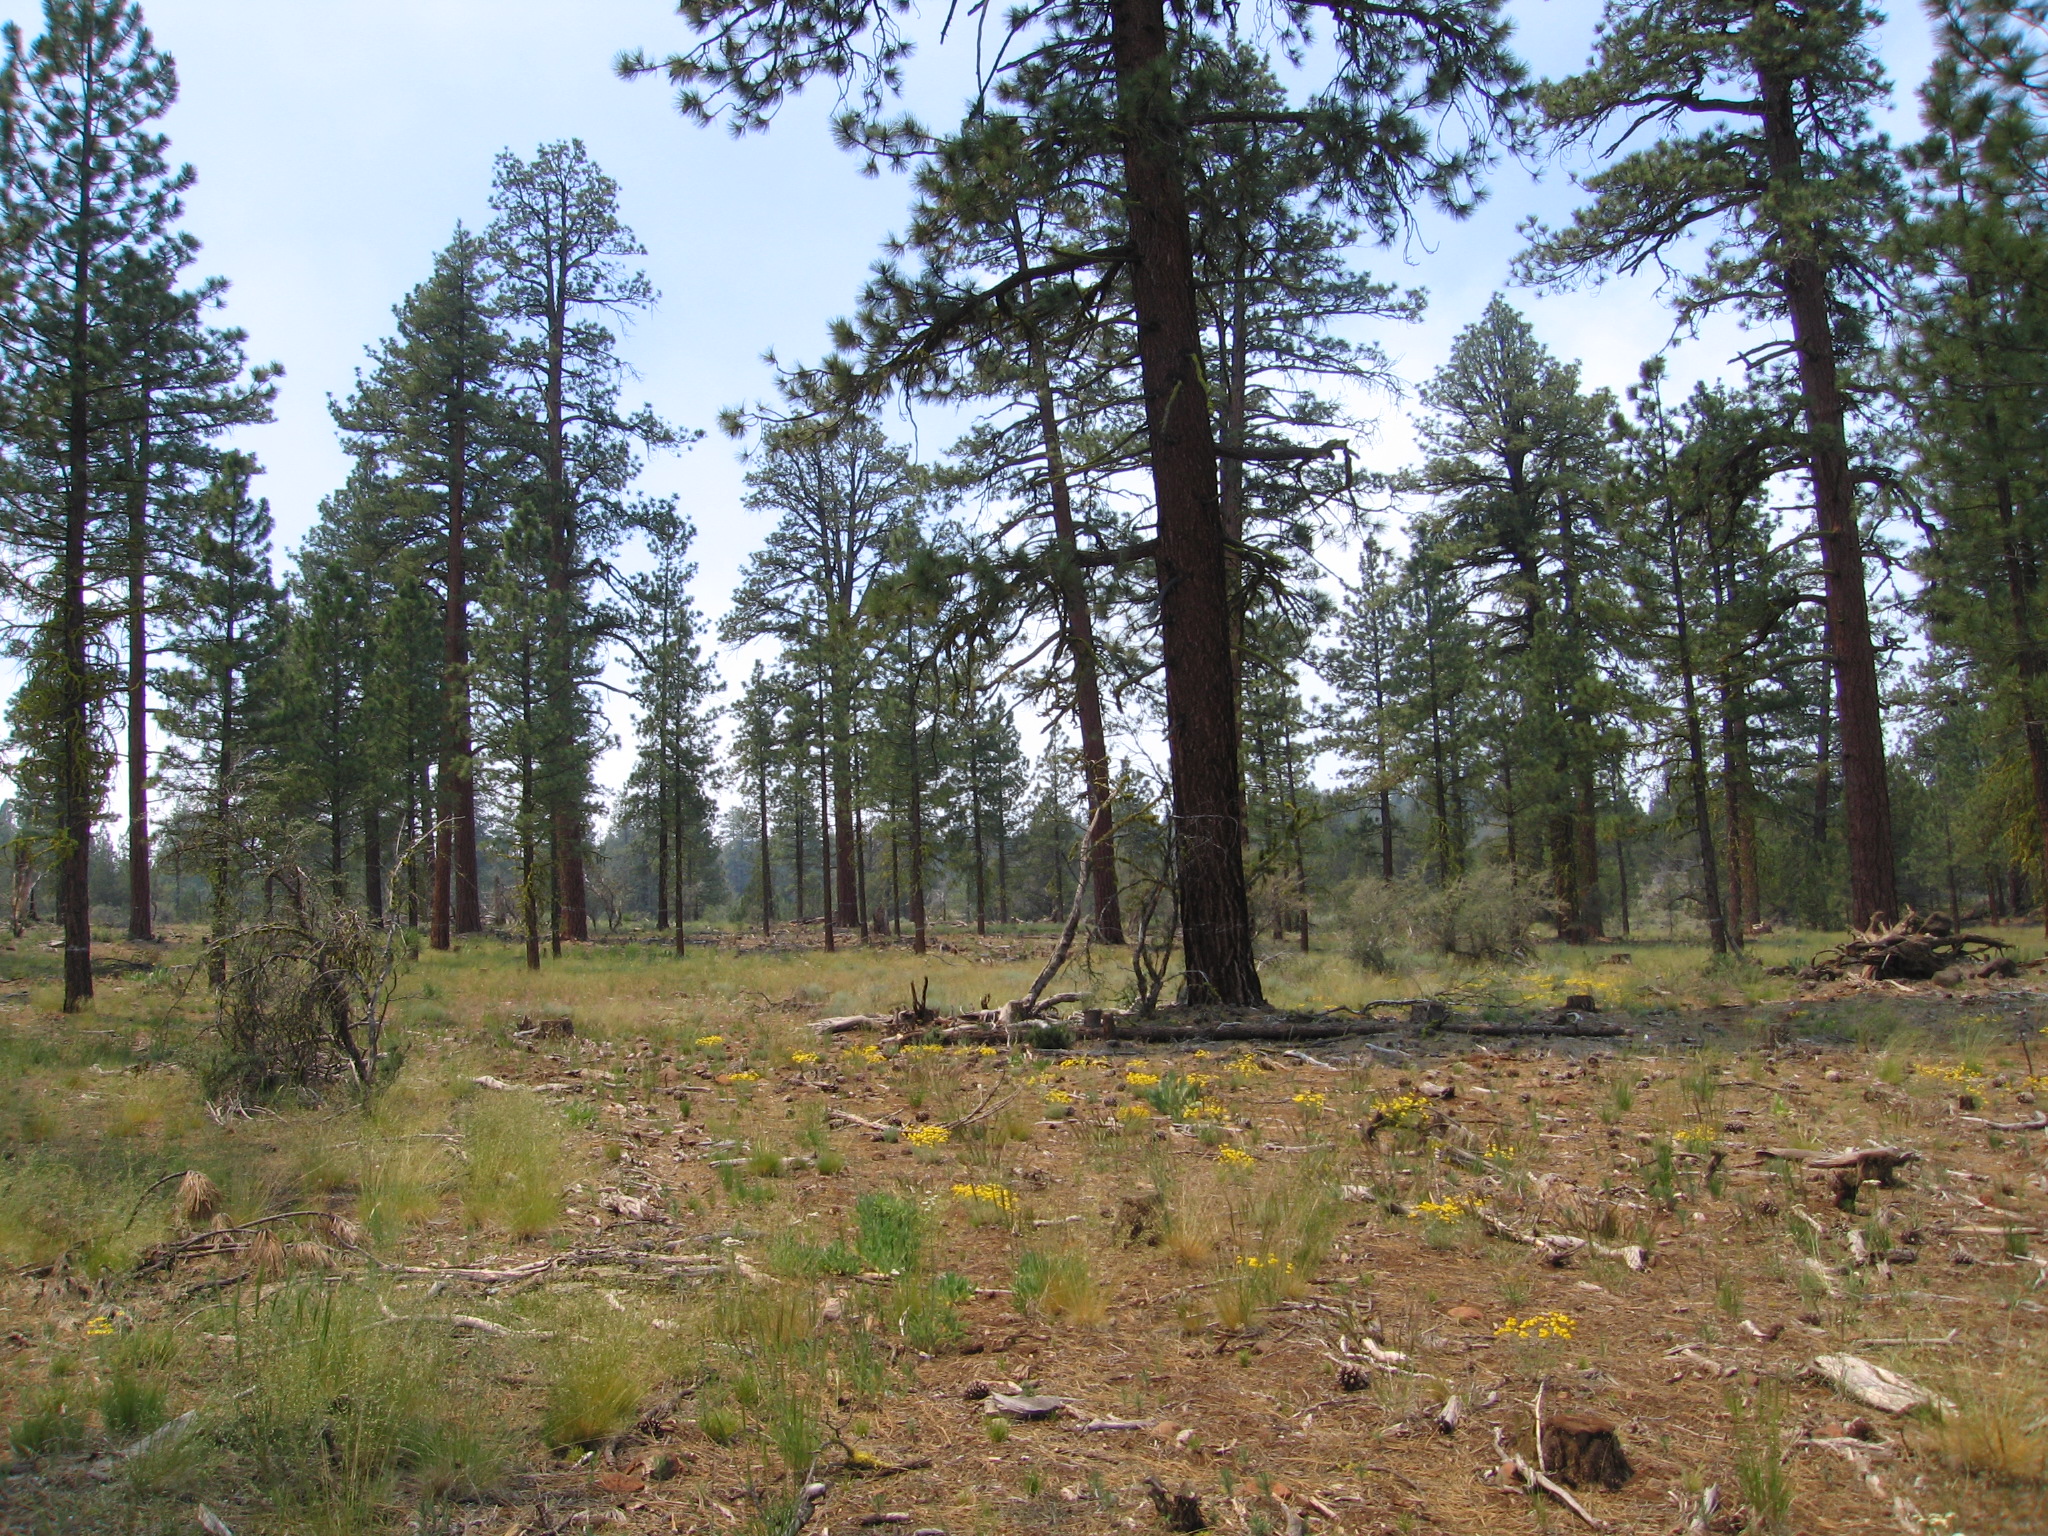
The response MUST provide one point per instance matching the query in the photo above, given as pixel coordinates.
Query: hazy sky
(339, 142)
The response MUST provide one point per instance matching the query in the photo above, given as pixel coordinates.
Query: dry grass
(746, 1296)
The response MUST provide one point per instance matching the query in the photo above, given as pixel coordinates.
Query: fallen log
(1912, 949)
(1874, 1386)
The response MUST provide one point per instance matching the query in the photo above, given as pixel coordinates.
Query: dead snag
(1584, 1450)
(1181, 1511)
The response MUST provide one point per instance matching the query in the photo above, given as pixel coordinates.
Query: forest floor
(663, 1272)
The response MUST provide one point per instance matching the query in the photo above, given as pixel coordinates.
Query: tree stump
(1181, 1511)
(1583, 1450)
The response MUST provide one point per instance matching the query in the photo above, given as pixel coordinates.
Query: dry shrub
(1997, 1432)
(1485, 915)
(199, 1199)
(300, 1000)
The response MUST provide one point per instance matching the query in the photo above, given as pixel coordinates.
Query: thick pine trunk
(1194, 602)
(141, 917)
(1866, 797)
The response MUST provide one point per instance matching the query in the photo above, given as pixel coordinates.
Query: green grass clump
(49, 1428)
(130, 1404)
(1058, 1285)
(516, 1157)
(345, 1403)
(594, 1394)
(891, 1232)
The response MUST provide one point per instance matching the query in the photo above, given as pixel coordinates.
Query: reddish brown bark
(1866, 797)
(1194, 597)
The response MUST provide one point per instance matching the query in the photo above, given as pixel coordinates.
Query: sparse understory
(684, 1264)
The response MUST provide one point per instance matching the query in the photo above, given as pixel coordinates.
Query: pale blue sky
(338, 142)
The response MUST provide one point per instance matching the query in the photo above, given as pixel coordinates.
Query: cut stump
(1584, 1450)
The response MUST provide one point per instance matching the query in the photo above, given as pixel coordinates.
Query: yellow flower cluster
(1311, 1101)
(998, 1195)
(1203, 1055)
(1131, 1112)
(1083, 1061)
(1247, 1064)
(803, 1058)
(710, 1040)
(1959, 1073)
(1451, 1208)
(1501, 1152)
(1199, 1079)
(1141, 1079)
(741, 1077)
(99, 1328)
(982, 1050)
(2034, 1082)
(1235, 1157)
(1695, 1135)
(1253, 1261)
(923, 1050)
(928, 1136)
(1409, 1111)
(1206, 1109)
(1540, 1325)
(1059, 1096)
(871, 1054)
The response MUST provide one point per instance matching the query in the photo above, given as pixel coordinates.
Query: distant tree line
(1625, 652)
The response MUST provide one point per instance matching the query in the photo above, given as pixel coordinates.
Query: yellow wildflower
(928, 1136)
(1540, 1325)
(1235, 1157)
(998, 1195)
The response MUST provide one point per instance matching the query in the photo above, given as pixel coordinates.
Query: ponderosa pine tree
(191, 385)
(512, 677)
(1113, 93)
(1359, 668)
(562, 259)
(1763, 109)
(757, 746)
(433, 414)
(670, 684)
(1971, 369)
(1516, 453)
(220, 703)
(91, 209)
(839, 492)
